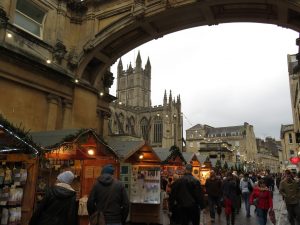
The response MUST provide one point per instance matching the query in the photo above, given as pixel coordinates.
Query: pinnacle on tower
(120, 67)
(148, 67)
(170, 97)
(138, 61)
(165, 98)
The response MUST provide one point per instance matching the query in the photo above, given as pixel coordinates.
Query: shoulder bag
(97, 218)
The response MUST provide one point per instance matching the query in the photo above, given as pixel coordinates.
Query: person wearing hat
(58, 206)
(186, 194)
(109, 196)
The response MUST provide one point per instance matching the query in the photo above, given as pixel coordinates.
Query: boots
(227, 219)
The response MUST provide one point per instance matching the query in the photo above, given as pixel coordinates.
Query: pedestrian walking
(186, 194)
(290, 190)
(246, 186)
(173, 209)
(213, 187)
(230, 194)
(109, 196)
(261, 197)
(58, 207)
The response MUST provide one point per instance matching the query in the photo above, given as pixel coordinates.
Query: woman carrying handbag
(261, 197)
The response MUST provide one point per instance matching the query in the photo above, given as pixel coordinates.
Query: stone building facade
(43, 83)
(290, 148)
(241, 138)
(133, 115)
(268, 155)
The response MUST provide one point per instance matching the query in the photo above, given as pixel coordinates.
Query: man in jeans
(290, 190)
(213, 188)
(246, 186)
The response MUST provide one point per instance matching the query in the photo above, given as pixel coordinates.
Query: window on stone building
(292, 152)
(29, 17)
(158, 130)
(290, 138)
(144, 128)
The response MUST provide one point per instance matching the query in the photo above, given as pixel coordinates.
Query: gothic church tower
(134, 84)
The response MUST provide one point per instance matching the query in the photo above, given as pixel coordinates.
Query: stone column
(53, 102)
(67, 113)
(103, 122)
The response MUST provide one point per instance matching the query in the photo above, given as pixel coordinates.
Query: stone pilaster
(67, 113)
(103, 117)
(53, 102)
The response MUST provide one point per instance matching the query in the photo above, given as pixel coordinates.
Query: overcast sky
(226, 74)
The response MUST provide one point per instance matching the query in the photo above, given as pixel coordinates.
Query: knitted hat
(188, 167)
(108, 169)
(66, 177)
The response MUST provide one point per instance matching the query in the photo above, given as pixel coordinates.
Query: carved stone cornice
(67, 103)
(54, 99)
(3, 18)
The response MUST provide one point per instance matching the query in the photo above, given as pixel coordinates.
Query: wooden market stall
(81, 151)
(18, 174)
(191, 158)
(140, 169)
(172, 160)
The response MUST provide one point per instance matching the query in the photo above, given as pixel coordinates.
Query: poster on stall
(145, 185)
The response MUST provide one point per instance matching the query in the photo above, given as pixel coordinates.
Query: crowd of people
(226, 192)
(185, 196)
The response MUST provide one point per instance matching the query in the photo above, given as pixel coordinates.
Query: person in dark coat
(58, 207)
(230, 194)
(109, 196)
(186, 194)
(213, 186)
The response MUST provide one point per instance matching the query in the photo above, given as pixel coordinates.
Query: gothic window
(29, 17)
(158, 130)
(121, 122)
(132, 124)
(144, 128)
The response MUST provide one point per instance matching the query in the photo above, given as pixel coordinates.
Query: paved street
(279, 208)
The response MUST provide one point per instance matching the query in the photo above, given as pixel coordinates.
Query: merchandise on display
(13, 176)
(145, 185)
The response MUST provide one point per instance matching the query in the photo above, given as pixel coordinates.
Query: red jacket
(264, 198)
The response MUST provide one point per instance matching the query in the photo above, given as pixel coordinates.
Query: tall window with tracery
(158, 130)
(144, 128)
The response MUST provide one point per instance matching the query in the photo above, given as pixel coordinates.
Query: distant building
(241, 138)
(289, 146)
(267, 157)
(133, 115)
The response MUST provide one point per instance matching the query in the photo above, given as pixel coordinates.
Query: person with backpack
(246, 186)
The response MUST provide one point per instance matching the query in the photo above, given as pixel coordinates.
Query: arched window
(121, 123)
(131, 124)
(144, 128)
(157, 129)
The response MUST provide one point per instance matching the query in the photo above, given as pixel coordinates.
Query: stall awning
(15, 139)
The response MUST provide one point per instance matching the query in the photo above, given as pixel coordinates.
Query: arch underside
(141, 25)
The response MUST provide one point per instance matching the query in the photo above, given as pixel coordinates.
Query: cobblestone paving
(241, 219)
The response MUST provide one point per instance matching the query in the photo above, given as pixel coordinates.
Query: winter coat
(186, 192)
(264, 198)
(231, 191)
(213, 187)
(244, 185)
(58, 207)
(290, 190)
(109, 196)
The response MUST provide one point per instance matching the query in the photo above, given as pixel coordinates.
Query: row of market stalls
(31, 163)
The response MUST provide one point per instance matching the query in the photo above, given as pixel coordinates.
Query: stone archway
(132, 23)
